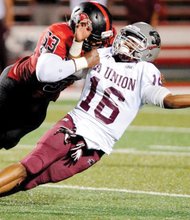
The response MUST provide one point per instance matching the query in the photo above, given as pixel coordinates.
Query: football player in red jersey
(28, 86)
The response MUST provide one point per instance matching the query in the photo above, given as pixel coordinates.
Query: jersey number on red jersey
(50, 42)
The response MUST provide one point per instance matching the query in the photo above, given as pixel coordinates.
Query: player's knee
(33, 164)
(7, 142)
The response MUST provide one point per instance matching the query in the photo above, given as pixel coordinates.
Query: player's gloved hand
(76, 152)
(83, 30)
(69, 134)
(92, 57)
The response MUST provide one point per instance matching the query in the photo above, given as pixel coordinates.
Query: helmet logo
(155, 38)
(81, 17)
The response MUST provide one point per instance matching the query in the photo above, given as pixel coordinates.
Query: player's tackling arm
(51, 68)
(177, 101)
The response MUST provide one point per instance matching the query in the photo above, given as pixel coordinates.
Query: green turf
(80, 205)
(156, 159)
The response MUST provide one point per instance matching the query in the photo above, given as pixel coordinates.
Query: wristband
(76, 48)
(80, 63)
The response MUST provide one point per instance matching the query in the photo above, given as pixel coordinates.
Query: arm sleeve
(155, 95)
(152, 91)
(51, 68)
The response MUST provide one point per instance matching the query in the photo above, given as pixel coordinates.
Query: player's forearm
(177, 101)
(51, 67)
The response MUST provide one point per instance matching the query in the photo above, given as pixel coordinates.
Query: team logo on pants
(91, 162)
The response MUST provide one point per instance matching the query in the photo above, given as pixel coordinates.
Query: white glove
(77, 151)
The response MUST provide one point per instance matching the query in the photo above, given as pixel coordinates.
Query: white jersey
(112, 96)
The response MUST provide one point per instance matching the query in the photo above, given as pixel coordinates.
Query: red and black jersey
(56, 39)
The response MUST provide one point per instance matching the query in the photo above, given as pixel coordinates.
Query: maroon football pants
(51, 160)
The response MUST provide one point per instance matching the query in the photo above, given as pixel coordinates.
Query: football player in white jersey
(114, 92)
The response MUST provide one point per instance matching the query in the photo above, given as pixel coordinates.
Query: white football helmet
(139, 41)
